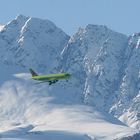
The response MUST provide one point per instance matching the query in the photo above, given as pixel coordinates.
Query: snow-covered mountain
(106, 69)
(105, 81)
(31, 42)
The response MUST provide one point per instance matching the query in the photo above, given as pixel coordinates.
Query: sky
(119, 15)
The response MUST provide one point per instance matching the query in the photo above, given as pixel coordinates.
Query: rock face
(105, 65)
(129, 92)
(95, 56)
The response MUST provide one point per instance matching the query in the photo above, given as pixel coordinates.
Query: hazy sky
(120, 15)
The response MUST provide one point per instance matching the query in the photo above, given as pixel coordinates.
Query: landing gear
(52, 82)
(56, 81)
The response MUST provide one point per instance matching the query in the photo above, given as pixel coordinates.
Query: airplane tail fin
(33, 73)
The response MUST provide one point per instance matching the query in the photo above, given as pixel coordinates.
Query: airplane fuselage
(52, 77)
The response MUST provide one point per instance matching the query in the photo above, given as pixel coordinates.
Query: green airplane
(50, 78)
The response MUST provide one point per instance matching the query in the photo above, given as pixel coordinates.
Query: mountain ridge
(104, 64)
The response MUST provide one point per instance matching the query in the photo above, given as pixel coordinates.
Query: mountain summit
(31, 42)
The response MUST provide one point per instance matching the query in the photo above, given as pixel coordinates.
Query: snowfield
(27, 111)
(30, 111)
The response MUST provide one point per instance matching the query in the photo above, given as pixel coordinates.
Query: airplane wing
(50, 82)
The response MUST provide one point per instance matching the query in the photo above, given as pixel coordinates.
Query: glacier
(100, 101)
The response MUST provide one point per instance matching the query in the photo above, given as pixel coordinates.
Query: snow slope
(31, 111)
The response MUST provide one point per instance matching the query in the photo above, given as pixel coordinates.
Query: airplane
(50, 78)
